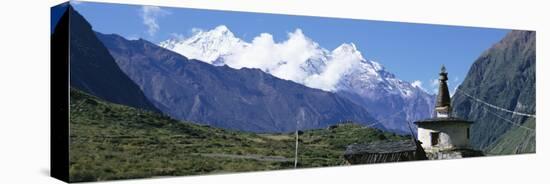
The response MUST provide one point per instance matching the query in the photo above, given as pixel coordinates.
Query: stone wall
(452, 135)
(452, 154)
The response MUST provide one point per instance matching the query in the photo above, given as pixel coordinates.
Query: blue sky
(411, 51)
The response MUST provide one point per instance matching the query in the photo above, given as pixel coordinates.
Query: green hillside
(111, 141)
(515, 141)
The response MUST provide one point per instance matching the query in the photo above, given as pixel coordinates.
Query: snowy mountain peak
(346, 48)
(221, 30)
(207, 46)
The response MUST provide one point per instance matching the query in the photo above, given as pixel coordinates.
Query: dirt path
(253, 157)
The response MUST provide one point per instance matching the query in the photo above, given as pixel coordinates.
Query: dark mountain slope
(245, 99)
(93, 69)
(504, 76)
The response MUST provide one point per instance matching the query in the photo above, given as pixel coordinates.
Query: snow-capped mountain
(343, 70)
(392, 101)
(206, 46)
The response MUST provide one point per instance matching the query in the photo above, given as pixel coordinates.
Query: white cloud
(150, 14)
(280, 59)
(336, 67)
(285, 59)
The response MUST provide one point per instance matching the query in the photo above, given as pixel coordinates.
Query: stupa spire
(443, 101)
